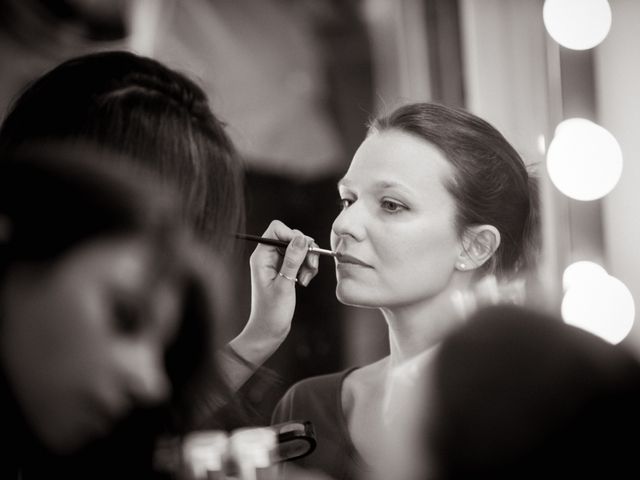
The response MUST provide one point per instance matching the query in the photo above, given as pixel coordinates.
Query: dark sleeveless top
(319, 399)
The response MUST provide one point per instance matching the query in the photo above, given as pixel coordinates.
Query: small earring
(462, 266)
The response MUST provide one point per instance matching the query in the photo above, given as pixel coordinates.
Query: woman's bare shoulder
(364, 381)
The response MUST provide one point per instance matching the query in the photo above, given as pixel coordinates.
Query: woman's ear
(479, 243)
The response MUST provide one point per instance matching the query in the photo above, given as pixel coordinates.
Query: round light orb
(577, 24)
(582, 271)
(584, 160)
(603, 306)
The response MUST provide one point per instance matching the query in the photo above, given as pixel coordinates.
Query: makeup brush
(281, 243)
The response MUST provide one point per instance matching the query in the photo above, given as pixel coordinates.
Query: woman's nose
(148, 382)
(349, 222)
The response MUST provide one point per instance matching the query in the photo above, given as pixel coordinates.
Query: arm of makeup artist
(273, 300)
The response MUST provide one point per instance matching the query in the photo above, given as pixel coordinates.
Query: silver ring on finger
(291, 279)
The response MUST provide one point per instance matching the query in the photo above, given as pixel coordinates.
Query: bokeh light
(577, 24)
(580, 272)
(584, 160)
(603, 305)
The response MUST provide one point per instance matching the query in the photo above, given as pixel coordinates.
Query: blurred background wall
(297, 81)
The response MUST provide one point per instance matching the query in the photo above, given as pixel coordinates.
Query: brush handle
(266, 241)
(281, 243)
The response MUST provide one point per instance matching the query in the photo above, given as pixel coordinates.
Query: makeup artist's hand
(273, 291)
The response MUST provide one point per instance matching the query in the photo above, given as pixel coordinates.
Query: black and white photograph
(319, 239)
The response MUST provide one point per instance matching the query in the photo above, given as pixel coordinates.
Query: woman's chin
(356, 297)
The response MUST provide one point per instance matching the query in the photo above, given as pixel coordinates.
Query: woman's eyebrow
(386, 184)
(380, 185)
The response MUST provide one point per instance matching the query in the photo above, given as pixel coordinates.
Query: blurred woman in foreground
(108, 307)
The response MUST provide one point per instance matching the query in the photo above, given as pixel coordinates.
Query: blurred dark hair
(157, 117)
(519, 394)
(491, 184)
(54, 199)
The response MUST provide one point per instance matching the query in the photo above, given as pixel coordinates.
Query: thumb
(294, 256)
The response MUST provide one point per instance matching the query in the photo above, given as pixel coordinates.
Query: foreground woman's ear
(479, 243)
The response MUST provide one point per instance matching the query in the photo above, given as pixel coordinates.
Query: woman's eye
(127, 319)
(344, 203)
(391, 206)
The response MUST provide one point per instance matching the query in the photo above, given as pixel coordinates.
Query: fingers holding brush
(275, 271)
(294, 257)
(309, 268)
(298, 264)
(293, 262)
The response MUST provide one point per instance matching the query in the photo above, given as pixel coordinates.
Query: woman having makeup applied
(435, 199)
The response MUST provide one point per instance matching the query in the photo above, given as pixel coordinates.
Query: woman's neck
(418, 327)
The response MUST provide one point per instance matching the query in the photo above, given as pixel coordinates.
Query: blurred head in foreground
(517, 394)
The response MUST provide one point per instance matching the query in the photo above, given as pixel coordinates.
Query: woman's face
(83, 339)
(397, 225)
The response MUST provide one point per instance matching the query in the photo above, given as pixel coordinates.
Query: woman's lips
(349, 259)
